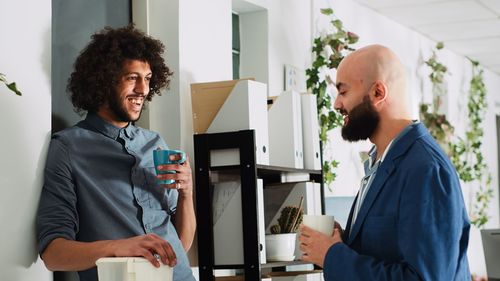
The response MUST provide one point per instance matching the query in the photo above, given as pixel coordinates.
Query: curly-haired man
(101, 196)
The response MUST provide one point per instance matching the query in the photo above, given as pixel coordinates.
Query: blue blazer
(412, 225)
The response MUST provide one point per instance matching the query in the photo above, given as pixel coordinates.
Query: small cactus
(275, 229)
(289, 220)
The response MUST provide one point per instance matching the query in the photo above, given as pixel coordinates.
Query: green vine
(466, 152)
(328, 50)
(10, 86)
(437, 77)
(439, 127)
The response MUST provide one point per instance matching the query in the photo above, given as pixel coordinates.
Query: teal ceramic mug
(162, 157)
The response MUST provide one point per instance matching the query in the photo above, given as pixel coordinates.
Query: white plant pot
(280, 247)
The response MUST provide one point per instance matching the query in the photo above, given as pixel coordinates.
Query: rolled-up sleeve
(57, 215)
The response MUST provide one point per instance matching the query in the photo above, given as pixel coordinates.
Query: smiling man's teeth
(346, 118)
(136, 100)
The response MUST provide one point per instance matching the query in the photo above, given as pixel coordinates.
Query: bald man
(408, 221)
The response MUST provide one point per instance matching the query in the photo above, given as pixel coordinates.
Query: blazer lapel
(383, 173)
(347, 230)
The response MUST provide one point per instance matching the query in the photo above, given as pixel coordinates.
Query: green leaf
(10, 86)
(327, 11)
(13, 88)
(352, 37)
(341, 42)
(337, 24)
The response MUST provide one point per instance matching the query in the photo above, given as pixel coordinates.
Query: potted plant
(280, 244)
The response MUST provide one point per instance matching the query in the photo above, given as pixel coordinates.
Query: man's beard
(120, 111)
(362, 123)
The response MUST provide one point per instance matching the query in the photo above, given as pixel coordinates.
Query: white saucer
(281, 258)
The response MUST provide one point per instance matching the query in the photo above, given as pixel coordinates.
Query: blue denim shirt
(100, 184)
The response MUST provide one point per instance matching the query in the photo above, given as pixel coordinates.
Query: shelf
(276, 174)
(225, 168)
(264, 265)
(268, 170)
(282, 264)
(293, 273)
(248, 174)
(277, 169)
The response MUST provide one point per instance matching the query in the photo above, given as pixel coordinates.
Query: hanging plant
(466, 153)
(437, 124)
(10, 86)
(328, 50)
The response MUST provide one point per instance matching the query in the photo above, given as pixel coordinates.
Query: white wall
(25, 54)
(254, 39)
(413, 49)
(160, 19)
(289, 39)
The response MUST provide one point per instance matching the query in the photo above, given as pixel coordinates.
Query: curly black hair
(97, 68)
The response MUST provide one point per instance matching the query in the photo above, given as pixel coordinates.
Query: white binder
(245, 108)
(228, 223)
(310, 132)
(260, 215)
(285, 131)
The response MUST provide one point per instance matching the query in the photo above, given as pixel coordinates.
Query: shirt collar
(107, 128)
(373, 151)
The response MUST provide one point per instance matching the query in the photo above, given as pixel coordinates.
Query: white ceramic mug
(321, 223)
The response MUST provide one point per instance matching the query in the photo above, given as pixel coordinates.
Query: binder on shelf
(310, 132)
(262, 225)
(206, 100)
(228, 223)
(285, 131)
(245, 108)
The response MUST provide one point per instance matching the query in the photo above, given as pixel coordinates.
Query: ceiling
(467, 27)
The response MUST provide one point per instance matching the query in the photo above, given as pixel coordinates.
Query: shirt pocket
(156, 192)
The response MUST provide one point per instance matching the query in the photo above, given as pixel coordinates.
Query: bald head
(376, 63)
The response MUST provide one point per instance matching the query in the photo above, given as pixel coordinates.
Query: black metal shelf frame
(244, 141)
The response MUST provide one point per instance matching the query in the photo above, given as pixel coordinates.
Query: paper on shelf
(223, 193)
